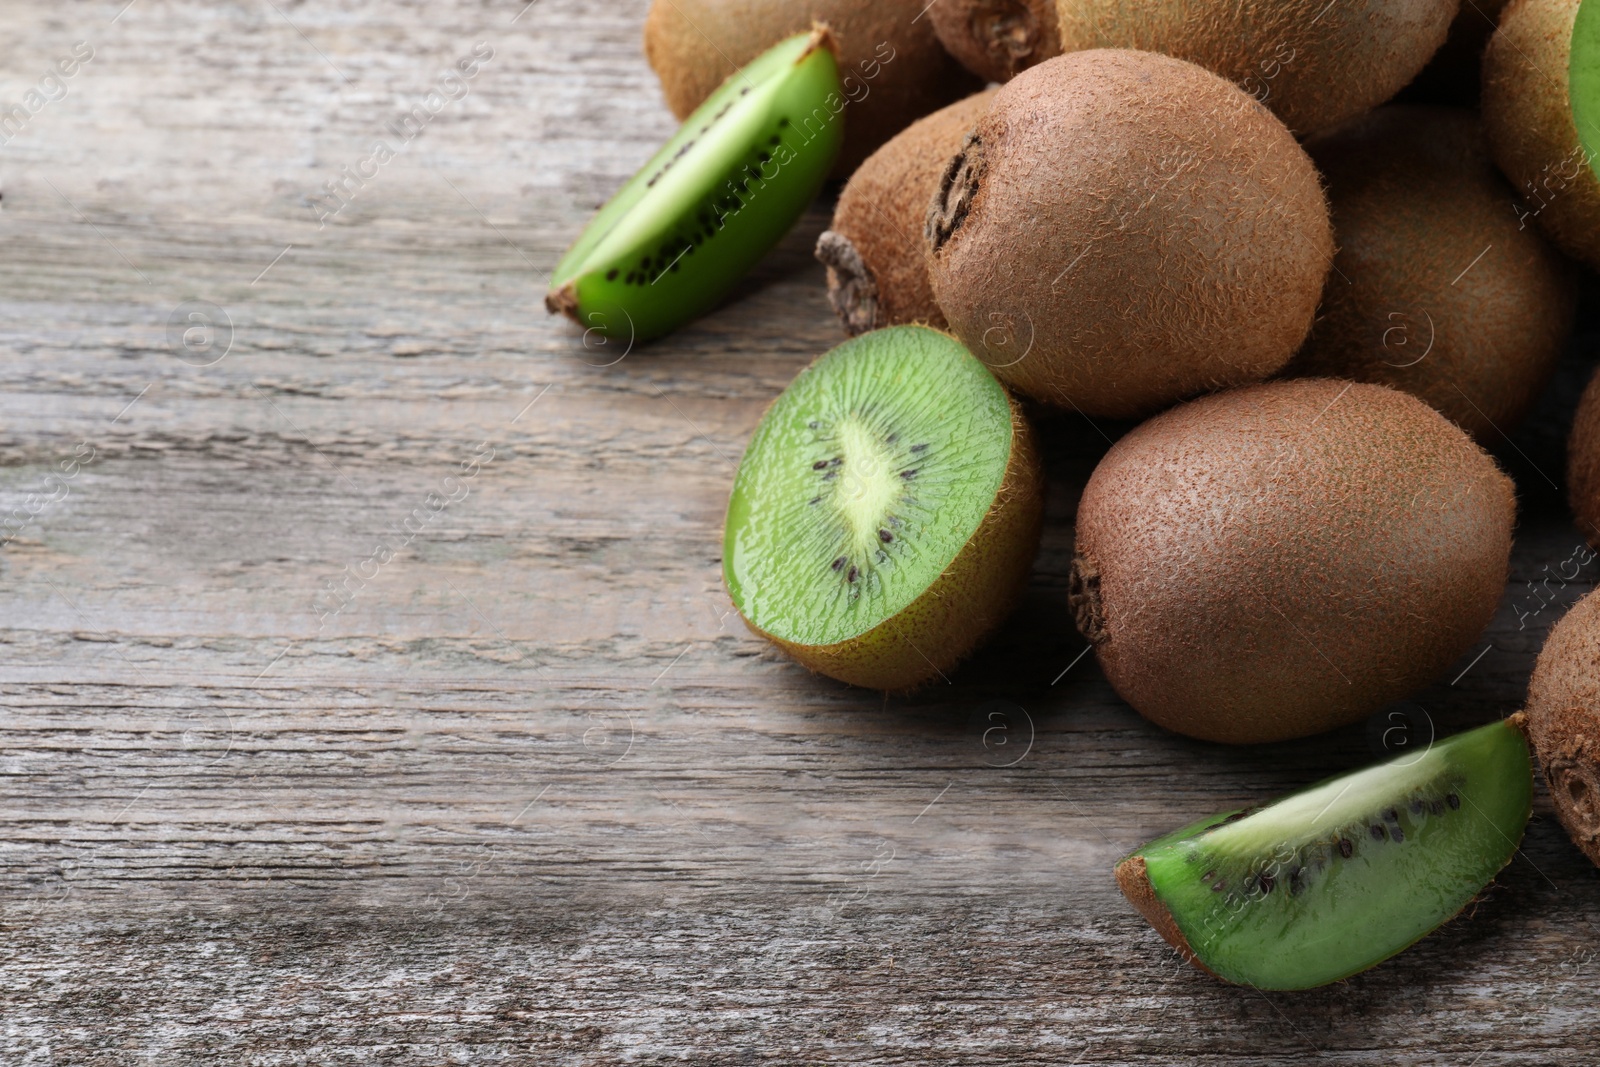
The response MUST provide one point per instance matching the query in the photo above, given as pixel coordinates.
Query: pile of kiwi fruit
(1312, 261)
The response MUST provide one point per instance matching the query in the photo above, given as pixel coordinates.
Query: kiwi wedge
(1315, 63)
(1541, 108)
(727, 186)
(1342, 875)
(886, 512)
(1564, 721)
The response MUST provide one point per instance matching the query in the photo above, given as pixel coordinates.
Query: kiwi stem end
(852, 290)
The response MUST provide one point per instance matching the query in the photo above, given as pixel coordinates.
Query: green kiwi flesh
(1583, 77)
(1342, 875)
(886, 512)
(727, 186)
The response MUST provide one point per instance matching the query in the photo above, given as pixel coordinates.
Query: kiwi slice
(727, 186)
(1340, 876)
(1541, 109)
(887, 511)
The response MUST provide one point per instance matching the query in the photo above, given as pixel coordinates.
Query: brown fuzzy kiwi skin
(1123, 230)
(1282, 559)
(877, 275)
(1528, 117)
(997, 39)
(1583, 462)
(963, 605)
(1437, 289)
(892, 66)
(1315, 64)
(1563, 713)
(1134, 881)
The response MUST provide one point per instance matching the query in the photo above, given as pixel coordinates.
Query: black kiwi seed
(1397, 833)
(1436, 807)
(919, 448)
(1266, 882)
(885, 536)
(819, 464)
(850, 577)
(816, 500)
(1378, 833)
(1391, 816)
(908, 475)
(1218, 886)
(1452, 800)
(1208, 876)
(1296, 880)
(1416, 807)
(1347, 847)
(838, 563)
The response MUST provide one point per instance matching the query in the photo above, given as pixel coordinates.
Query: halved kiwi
(1541, 108)
(1315, 63)
(712, 201)
(1340, 876)
(887, 510)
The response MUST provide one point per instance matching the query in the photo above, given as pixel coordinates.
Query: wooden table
(519, 788)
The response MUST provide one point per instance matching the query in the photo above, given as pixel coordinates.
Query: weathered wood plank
(531, 793)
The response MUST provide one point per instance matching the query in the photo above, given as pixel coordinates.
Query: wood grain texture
(532, 794)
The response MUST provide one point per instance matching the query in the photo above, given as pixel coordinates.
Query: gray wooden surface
(527, 792)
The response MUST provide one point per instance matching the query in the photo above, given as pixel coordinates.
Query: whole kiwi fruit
(1281, 559)
(1436, 288)
(1536, 100)
(877, 275)
(1315, 63)
(1124, 229)
(997, 39)
(1564, 721)
(1583, 463)
(892, 66)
